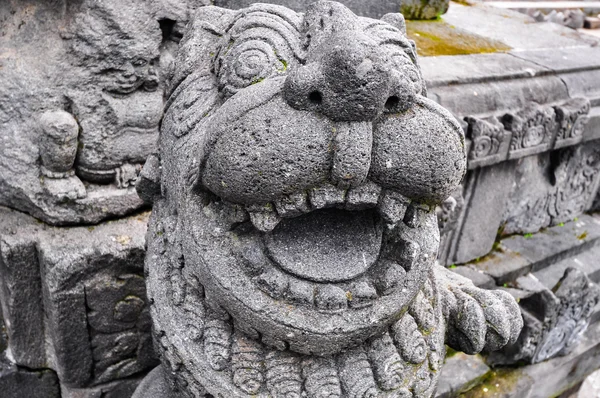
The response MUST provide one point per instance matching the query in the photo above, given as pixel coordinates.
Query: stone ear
(396, 20)
(199, 44)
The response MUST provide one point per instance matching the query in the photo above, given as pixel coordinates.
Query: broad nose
(128, 69)
(346, 79)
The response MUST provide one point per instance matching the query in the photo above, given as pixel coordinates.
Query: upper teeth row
(392, 206)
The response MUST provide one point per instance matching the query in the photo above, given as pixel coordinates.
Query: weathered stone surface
(585, 261)
(373, 9)
(449, 214)
(16, 382)
(511, 27)
(548, 378)
(80, 103)
(557, 187)
(556, 243)
(91, 323)
(117, 389)
(155, 385)
(21, 298)
(477, 276)
(460, 373)
(486, 193)
(591, 386)
(518, 255)
(266, 106)
(554, 319)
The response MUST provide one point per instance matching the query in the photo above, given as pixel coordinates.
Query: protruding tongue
(353, 142)
(326, 245)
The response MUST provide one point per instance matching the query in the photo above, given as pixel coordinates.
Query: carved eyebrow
(270, 20)
(381, 26)
(390, 35)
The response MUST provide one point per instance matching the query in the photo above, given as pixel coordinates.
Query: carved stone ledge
(555, 320)
(532, 130)
(490, 142)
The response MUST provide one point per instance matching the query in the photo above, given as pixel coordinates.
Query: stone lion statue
(292, 246)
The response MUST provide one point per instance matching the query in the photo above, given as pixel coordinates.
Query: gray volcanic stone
(548, 378)
(16, 382)
(488, 188)
(74, 299)
(460, 373)
(292, 248)
(555, 318)
(81, 98)
(373, 9)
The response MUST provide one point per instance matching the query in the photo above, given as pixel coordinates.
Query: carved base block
(90, 321)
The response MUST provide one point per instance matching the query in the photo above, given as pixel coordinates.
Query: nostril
(315, 97)
(392, 103)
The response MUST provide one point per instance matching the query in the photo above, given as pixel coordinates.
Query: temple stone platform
(519, 224)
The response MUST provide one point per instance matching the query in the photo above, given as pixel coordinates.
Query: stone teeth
(264, 218)
(234, 213)
(331, 298)
(392, 278)
(392, 206)
(407, 254)
(273, 282)
(327, 196)
(415, 215)
(362, 295)
(300, 292)
(293, 205)
(363, 197)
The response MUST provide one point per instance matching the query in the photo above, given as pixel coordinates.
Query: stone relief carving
(572, 116)
(448, 217)
(81, 311)
(117, 102)
(555, 320)
(82, 103)
(288, 254)
(568, 181)
(119, 323)
(533, 130)
(490, 141)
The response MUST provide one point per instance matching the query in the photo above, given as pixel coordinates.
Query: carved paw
(477, 319)
(67, 188)
(127, 175)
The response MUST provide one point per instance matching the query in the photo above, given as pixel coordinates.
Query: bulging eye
(140, 62)
(260, 44)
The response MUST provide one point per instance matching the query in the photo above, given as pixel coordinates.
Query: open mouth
(126, 87)
(327, 245)
(345, 263)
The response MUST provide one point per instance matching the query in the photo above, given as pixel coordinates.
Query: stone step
(460, 373)
(518, 255)
(545, 379)
(587, 261)
(591, 23)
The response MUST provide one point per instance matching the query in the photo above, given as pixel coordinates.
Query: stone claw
(477, 319)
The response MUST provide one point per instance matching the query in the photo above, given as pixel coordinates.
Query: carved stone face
(301, 164)
(116, 50)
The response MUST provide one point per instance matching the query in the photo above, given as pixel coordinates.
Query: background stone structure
(494, 81)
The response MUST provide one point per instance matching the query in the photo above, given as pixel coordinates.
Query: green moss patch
(440, 38)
